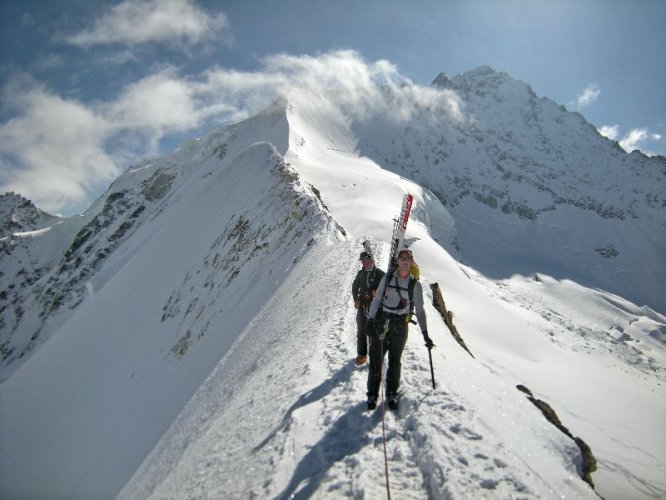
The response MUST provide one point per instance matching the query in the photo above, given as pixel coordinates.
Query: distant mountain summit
(19, 214)
(531, 186)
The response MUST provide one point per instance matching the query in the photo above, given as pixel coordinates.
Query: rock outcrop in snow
(18, 215)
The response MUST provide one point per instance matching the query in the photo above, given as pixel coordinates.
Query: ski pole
(432, 370)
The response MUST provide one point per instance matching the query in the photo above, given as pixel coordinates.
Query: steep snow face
(47, 273)
(167, 296)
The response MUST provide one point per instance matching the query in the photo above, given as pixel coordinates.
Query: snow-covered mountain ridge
(220, 275)
(515, 171)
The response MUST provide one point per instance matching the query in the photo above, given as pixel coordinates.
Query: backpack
(415, 275)
(414, 270)
(410, 289)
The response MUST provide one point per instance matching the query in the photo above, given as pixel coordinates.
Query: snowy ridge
(170, 301)
(302, 429)
(65, 260)
(202, 341)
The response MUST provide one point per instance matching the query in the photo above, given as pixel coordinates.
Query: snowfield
(291, 420)
(193, 334)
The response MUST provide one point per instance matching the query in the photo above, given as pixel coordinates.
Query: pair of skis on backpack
(399, 228)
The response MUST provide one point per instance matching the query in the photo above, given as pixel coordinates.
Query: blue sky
(89, 87)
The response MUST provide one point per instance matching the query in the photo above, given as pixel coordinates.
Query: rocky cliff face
(18, 214)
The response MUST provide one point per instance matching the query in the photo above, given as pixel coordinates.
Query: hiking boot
(392, 400)
(361, 359)
(372, 402)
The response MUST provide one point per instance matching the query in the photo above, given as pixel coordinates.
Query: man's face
(367, 262)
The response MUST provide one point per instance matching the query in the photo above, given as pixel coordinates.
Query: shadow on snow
(345, 437)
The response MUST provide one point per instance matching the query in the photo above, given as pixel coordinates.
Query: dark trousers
(393, 343)
(361, 335)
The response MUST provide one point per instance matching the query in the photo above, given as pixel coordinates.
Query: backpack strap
(410, 291)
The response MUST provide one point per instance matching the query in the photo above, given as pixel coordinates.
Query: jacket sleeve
(418, 306)
(356, 287)
(380, 273)
(377, 300)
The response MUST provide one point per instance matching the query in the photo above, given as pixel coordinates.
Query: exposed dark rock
(589, 463)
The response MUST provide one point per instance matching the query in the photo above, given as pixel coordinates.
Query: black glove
(370, 326)
(428, 340)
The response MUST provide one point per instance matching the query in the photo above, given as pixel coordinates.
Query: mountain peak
(20, 214)
(442, 81)
(484, 70)
(482, 73)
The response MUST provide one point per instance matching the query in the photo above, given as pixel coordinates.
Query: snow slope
(473, 437)
(157, 319)
(205, 341)
(291, 420)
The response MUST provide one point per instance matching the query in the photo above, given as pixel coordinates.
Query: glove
(428, 340)
(370, 326)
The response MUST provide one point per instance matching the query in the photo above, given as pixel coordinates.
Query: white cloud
(63, 151)
(637, 138)
(588, 96)
(159, 103)
(58, 145)
(634, 139)
(143, 21)
(611, 132)
(358, 86)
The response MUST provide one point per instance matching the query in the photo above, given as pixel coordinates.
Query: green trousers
(393, 343)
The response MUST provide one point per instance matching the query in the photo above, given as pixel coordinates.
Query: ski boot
(392, 401)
